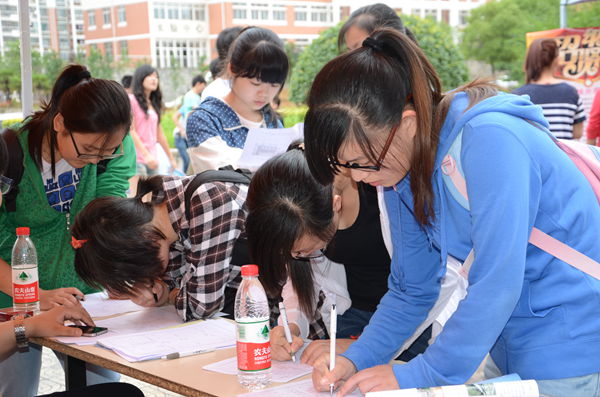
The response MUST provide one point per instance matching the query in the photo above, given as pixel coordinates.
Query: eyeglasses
(313, 255)
(377, 166)
(5, 184)
(87, 156)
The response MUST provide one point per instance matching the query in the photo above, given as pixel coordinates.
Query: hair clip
(77, 243)
(371, 43)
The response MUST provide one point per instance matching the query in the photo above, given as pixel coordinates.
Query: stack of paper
(281, 371)
(303, 388)
(148, 319)
(203, 335)
(98, 305)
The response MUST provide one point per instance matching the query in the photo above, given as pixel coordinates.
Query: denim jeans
(352, 322)
(20, 373)
(182, 145)
(579, 386)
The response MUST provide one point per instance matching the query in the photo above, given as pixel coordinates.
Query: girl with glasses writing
(535, 314)
(75, 149)
(296, 227)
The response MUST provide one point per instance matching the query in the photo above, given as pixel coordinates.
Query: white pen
(286, 328)
(172, 356)
(332, 332)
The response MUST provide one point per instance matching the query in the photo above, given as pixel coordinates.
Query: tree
(496, 31)
(434, 38)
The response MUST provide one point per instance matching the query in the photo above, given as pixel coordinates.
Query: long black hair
(285, 202)
(372, 17)
(122, 246)
(88, 105)
(137, 87)
(368, 89)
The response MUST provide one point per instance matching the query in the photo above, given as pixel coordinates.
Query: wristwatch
(22, 341)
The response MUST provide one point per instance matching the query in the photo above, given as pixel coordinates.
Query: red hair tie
(77, 243)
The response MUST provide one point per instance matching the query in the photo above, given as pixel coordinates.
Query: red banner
(579, 59)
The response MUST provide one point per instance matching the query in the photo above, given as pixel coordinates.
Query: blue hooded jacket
(536, 315)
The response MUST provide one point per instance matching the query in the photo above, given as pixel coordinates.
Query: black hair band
(370, 42)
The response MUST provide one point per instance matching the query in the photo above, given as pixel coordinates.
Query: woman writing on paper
(394, 131)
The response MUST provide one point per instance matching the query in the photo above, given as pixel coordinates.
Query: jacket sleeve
(115, 180)
(413, 284)
(500, 245)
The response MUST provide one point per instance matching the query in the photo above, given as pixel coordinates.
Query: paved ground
(53, 379)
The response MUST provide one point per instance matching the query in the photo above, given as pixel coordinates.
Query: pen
(332, 332)
(286, 328)
(172, 356)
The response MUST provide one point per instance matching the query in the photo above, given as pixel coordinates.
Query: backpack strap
(225, 174)
(454, 179)
(15, 167)
(240, 255)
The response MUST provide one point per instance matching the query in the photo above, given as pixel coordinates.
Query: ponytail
(88, 105)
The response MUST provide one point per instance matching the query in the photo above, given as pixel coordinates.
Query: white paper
(151, 318)
(98, 305)
(201, 335)
(521, 388)
(303, 388)
(281, 371)
(264, 143)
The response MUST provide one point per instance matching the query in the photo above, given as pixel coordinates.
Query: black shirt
(360, 248)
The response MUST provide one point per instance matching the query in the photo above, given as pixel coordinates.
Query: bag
(585, 157)
(240, 255)
(15, 167)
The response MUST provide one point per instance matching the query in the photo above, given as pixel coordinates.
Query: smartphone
(90, 331)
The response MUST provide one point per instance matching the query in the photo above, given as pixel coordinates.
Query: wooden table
(184, 375)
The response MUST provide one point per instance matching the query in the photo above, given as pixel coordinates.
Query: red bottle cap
(22, 231)
(250, 270)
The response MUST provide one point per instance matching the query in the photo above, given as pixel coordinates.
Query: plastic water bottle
(251, 314)
(26, 291)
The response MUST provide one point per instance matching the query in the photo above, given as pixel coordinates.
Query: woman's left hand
(50, 298)
(379, 378)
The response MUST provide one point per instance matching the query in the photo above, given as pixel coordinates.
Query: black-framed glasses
(313, 255)
(5, 184)
(377, 166)
(85, 156)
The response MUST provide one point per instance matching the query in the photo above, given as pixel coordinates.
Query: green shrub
(168, 125)
(9, 122)
(293, 115)
(434, 38)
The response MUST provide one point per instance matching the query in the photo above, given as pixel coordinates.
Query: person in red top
(593, 127)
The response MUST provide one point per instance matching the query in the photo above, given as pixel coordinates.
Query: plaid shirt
(199, 261)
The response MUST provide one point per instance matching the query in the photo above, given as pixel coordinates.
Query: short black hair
(3, 156)
(126, 80)
(198, 79)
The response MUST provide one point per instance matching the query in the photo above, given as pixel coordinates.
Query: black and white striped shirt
(560, 103)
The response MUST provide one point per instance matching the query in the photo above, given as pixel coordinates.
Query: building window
(319, 14)
(199, 12)
(186, 11)
(431, 14)
(185, 53)
(123, 49)
(121, 14)
(92, 19)
(446, 16)
(300, 13)
(279, 12)
(259, 12)
(462, 17)
(106, 16)
(108, 51)
(159, 11)
(172, 11)
(239, 11)
(416, 12)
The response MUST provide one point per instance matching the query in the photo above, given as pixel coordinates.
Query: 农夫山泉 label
(25, 285)
(253, 347)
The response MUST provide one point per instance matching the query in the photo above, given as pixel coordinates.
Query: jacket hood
(514, 105)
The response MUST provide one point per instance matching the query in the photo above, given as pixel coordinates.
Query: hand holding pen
(281, 348)
(286, 329)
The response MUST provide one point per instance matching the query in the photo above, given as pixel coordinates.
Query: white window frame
(121, 12)
(314, 14)
(92, 19)
(258, 13)
(105, 12)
